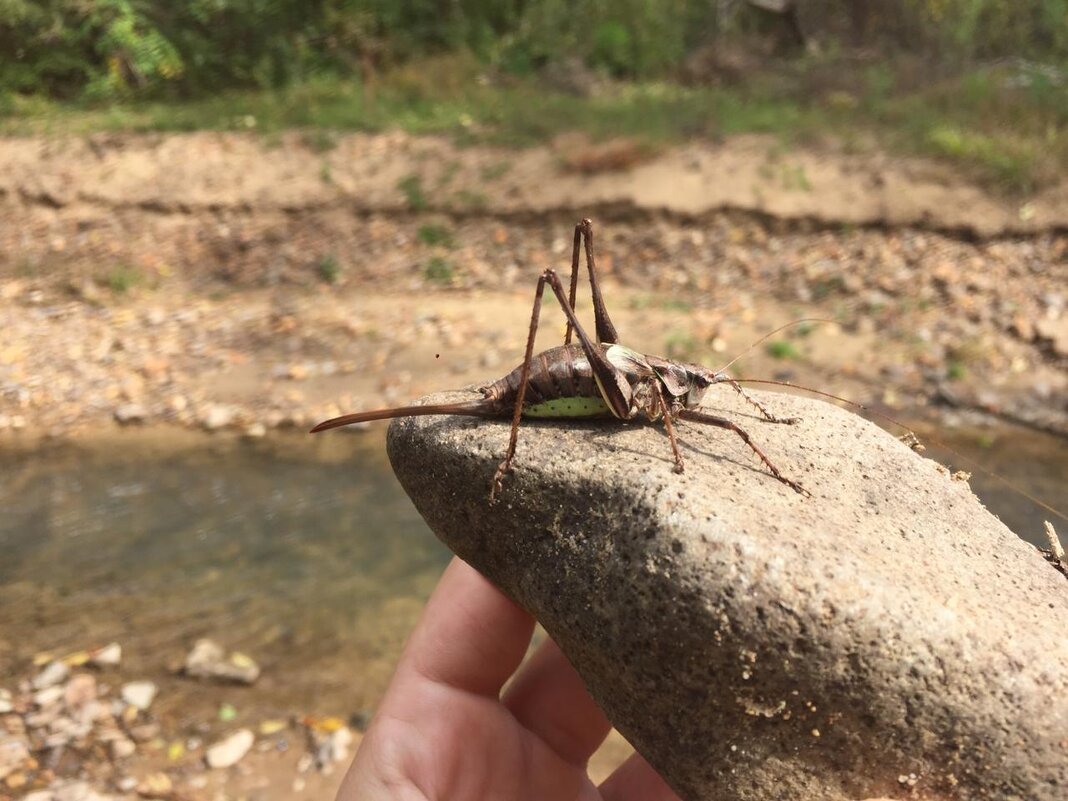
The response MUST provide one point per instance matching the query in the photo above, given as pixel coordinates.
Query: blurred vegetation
(115, 48)
(983, 83)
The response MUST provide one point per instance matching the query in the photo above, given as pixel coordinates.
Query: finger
(635, 780)
(550, 699)
(470, 637)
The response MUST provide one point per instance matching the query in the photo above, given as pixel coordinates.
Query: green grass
(329, 269)
(782, 349)
(411, 187)
(1013, 137)
(122, 278)
(438, 271)
(434, 235)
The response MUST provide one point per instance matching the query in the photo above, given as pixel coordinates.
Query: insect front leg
(754, 402)
(722, 422)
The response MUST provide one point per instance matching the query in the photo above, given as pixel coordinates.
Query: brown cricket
(592, 379)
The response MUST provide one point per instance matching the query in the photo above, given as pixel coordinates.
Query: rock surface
(885, 637)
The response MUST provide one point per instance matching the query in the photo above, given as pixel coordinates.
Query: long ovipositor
(481, 407)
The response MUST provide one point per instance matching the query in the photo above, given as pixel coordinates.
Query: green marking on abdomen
(568, 407)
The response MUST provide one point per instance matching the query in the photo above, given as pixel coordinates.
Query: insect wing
(676, 379)
(628, 361)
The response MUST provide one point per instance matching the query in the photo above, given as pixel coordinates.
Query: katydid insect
(593, 379)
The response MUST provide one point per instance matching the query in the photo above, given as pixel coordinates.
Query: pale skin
(448, 728)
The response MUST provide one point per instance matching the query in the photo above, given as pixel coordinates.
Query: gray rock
(886, 636)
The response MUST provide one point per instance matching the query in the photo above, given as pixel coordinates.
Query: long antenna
(969, 461)
(770, 334)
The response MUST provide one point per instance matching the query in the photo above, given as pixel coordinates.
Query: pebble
(122, 748)
(80, 690)
(48, 696)
(14, 751)
(1055, 331)
(208, 660)
(217, 416)
(108, 656)
(139, 694)
(130, 414)
(230, 750)
(155, 785)
(5, 701)
(53, 674)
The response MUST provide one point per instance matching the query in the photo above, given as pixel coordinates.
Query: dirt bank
(362, 173)
(225, 281)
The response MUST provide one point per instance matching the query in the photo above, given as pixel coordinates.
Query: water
(303, 552)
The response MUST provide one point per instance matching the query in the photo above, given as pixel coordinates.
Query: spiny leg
(722, 422)
(517, 413)
(754, 402)
(666, 412)
(606, 332)
(613, 384)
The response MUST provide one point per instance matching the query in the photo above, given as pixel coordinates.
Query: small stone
(269, 727)
(334, 747)
(155, 785)
(144, 732)
(16, 780)
(155, 316)
(122, 748)
(256, 431)
(130, 414)
(218, 416)
(39, 795)
(5, 701)
(14, 751)
(1056, 333)
(126, 784)
(230, 750)
(209, 660)
(54, 673)
(48, 696)
(139, 694)
(80, 690)
(108, 656)
(1023, 327)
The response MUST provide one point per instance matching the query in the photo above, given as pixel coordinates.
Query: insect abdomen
(569, 407)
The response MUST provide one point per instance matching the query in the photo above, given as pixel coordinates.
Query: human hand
(445, 732)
